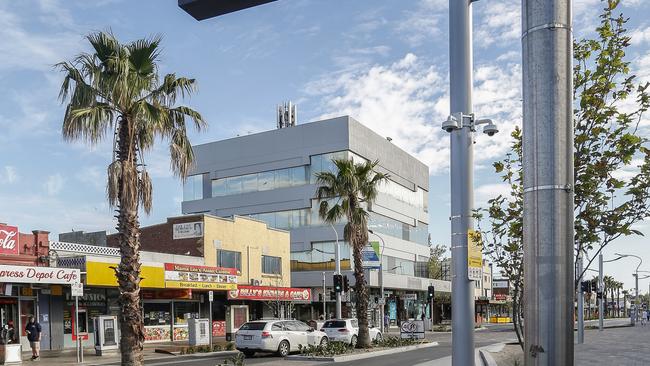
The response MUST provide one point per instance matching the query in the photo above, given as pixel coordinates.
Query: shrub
(331, 349)
(392, 342)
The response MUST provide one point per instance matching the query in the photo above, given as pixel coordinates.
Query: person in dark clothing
(33, 330)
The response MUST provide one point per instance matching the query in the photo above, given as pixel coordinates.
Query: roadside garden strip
(361, 353)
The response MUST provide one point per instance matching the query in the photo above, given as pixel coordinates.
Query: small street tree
(436, 257)
(117, 90)
(347, 194)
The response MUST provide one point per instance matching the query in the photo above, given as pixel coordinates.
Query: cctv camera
(450, 124)
(490, 129)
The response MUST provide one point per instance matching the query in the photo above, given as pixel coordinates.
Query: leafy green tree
(347, 194)
(609, 104)
(117, 90)
(503, 240)
(436, 257)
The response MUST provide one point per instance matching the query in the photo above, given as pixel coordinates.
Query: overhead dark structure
(204, 9)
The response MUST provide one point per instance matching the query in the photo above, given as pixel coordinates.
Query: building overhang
(205, 9)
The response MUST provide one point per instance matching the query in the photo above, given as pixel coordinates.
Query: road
(493, 334)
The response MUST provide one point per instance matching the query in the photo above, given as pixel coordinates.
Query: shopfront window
(157, 313)
(184, 310)
(271, 265)
(229, 259)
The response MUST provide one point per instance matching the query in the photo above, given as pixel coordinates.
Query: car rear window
(253, 326)
(334, 324)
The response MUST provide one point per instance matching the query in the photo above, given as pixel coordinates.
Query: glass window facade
(193, 188)
(321, 257)
(398, 265)
(271, 265)
(229, 259)
(418, 198)
(263, 181)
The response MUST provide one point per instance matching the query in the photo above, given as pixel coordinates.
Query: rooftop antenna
(287, 115)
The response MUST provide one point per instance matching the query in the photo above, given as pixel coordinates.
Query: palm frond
(145, 191)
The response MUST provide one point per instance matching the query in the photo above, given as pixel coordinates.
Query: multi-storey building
(270, 176)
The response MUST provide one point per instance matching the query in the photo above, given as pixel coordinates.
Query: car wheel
(248, 353)
(324, 341)
(378, 338)
(353, 341)
(283, 349)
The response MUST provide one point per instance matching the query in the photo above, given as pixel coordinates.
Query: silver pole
(636, 300)
(337, 263)
(581, 305)
(76, 328)
(324, 302)
(381, 282)
(601, 288)
(210, 317)
(462, 180)
(548, 182)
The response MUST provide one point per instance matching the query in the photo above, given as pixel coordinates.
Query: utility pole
(581, 304)
(324, 301)
(547, 50)
(337, 263)
(601, 289)
(462, 180)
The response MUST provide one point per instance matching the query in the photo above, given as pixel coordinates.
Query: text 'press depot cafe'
(35, 291)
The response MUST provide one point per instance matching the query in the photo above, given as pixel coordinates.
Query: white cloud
(640, 36)
(499, 23)
(407, 101)
(488, 191)
(423, 24)
(54, 184)
(93, 176)
(9, 174)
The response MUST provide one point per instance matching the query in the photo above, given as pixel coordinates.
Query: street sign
(370, 256)
(474, 255)
(412, 329)
(77, 289)
(211, 296)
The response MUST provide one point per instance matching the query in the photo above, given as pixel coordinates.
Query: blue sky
(384, 62)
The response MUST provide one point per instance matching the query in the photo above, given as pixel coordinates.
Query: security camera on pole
(461, 126)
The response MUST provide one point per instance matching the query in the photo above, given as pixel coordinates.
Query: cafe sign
(268, 293)
(36, 275)
(9, 244)
(186, 276)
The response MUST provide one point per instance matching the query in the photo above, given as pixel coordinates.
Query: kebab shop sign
(8, 239)
(24, 274)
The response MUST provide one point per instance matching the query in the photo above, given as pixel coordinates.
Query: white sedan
(347, 331)
(279, 336)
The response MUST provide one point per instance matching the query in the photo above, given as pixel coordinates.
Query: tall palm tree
(348, 194)
(117, 89)
(608, 284)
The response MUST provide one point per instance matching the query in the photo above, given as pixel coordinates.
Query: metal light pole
(581, 304)
(324, 301)
(462, 179)
(337, 263)
(547, 50)
(381, 282)
(601, 289)
(636, 280)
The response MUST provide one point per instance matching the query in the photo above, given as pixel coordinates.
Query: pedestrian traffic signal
(376, 300)
(332, 295)
(431, 292)
(585, 287)
(338, 283)
(320, 297)
(594, 286)
(346, 284)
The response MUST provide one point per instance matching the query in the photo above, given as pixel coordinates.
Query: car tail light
(266, 334)
(343, 330)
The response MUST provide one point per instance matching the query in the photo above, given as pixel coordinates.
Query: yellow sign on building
(103, 274)
(474, 255)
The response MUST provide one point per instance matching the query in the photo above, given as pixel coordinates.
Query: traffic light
(338, 283)
(431, 292)
(584, 286)
(320, 297)
(376, 300)
(332, 295)
(594, 286)
(346, 284)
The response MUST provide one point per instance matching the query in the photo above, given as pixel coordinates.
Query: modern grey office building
(270, 176)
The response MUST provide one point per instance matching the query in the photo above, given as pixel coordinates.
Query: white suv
(280, 336)
(347, 331)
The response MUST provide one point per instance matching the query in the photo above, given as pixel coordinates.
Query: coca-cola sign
(9, 240)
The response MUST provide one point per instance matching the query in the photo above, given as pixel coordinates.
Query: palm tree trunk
(361, 290)
(618, 302)
(128, 272)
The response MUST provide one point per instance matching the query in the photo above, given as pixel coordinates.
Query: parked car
(279, 336)
(347, 331)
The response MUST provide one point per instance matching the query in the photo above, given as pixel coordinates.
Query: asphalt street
(493, 334)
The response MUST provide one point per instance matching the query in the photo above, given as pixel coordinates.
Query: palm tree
(117, 89)
(348, 194)
(608, 284)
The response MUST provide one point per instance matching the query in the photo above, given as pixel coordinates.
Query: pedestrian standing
(33, 330)
(644, 317)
